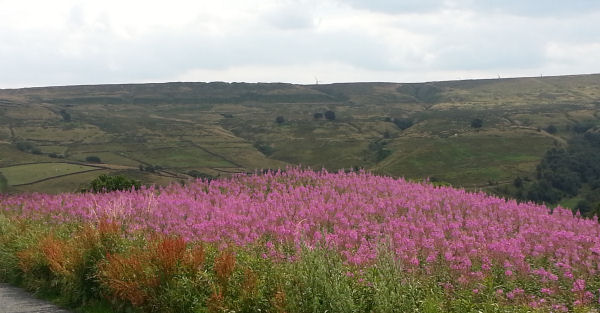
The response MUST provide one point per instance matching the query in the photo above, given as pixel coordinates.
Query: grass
(28, 173)
(179, 157)
(467, 159)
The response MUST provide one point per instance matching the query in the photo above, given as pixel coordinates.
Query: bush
(330, 115)
(280, 120)
(318, 116)
(477, 123)
(551, 129)
(93, 159)
(106, 183)
(403, 123)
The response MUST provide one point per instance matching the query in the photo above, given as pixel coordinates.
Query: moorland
(470, 133)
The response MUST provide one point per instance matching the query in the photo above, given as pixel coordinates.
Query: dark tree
(581, 128)
(318, 115)
(551, 129)
(65, 115)
(518, 182)
(330, 115)
(93, 159)
(280, 120)
(403, 123)
(106, 183)
(477, 123)
(25, 146)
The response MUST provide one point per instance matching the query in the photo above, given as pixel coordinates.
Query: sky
(67, 42)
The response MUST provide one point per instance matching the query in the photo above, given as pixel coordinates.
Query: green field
(221, 128)
(29, 173)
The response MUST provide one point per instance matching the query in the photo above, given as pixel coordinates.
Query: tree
(65, 115)
(551, 129)
(477, 123)
(518, 182)
(330, 115)
(93, 159)
(318, 115)
(280, 120)
(403, 123)
(106, 183)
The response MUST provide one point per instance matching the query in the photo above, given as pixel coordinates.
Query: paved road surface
(17, 300)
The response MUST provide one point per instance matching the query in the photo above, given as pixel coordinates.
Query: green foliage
(65, 115)
(565, 173)
(98, 268)
(27, 146)
(264, 148)
(551, 129)
(330, 115)
(378, 151)
(107, 183)
(582, 127)
(93, 159)
(403, 123)
(476, 123)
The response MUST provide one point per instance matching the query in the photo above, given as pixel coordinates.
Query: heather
(301, 241)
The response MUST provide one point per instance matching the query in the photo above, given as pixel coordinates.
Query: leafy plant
(107, 183)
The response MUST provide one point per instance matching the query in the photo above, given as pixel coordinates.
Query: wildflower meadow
(300, 241)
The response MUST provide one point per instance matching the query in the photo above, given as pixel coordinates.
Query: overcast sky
(63, 42)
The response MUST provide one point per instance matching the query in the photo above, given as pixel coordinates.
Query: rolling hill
(172, 131)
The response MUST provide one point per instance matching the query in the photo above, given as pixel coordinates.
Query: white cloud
(115, 41)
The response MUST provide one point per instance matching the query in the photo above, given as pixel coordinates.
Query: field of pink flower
(519, 253)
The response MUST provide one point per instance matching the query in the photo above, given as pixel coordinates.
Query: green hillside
(173, 131)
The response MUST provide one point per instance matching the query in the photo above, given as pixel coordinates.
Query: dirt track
(16, 300)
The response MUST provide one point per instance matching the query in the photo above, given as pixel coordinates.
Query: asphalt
(17, 300)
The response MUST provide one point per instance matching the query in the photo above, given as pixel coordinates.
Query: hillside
(172, 131)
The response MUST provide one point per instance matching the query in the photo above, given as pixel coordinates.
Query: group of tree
(565, 173)
(65, 115)
(377, 151)
(329, 115)
(93, 159)
(476, 123)
(27, 146)
(108, 183)
(403, 123)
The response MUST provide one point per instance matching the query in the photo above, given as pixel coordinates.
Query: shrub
(551, 129)
(330, 115)
(476, 123)
(93, 159)
(403, 123)
(106, 183)
(318, 116)
(280, 120)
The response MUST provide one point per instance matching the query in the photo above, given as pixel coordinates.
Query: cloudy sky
(63, 42)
